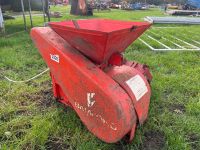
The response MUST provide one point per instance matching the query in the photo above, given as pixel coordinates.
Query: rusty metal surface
(102, 104)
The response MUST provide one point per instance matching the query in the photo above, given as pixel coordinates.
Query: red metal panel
(140, 93)
(116, 59)
(144, 69)
(98, 39)
(102, 104)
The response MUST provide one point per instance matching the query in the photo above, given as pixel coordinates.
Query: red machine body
(90, 74)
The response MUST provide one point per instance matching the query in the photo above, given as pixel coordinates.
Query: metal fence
(181, 43)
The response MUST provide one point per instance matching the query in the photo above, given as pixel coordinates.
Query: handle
(76, 24)
(133, 28)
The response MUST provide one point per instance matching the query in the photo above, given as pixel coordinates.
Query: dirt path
(17, 16)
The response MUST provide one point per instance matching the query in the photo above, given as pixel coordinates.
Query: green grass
(31, 118)
(66, 9)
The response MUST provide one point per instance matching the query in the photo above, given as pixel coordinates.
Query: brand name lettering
(89, 112)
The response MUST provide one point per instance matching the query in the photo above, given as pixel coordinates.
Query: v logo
(89, 97)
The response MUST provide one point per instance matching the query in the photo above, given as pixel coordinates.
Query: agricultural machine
(114, 6)
(135, 6)
(104, 6)
(192, 4)
(65, 3)
(126, 6)
(110, 94)
(53, 2)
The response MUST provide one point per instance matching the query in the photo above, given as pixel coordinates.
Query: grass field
(31, 118)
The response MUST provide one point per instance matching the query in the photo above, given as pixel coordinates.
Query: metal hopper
(98, 39)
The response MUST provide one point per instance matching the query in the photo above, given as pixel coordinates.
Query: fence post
(23, 14)
(3, 32)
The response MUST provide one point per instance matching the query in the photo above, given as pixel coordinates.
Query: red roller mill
(89, 73)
